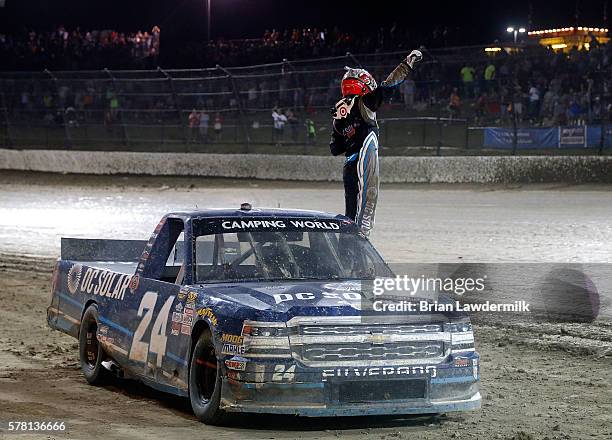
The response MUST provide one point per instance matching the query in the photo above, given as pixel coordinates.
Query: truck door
(149, 313)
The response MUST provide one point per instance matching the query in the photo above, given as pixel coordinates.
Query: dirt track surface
(414, 223)
(535, 385)
(540, 380)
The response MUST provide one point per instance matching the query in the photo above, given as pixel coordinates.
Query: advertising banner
(572, 137)
(528, 138)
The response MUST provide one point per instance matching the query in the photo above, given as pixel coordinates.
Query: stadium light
(515, 31)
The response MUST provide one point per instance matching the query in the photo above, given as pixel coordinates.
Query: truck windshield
(286, 255)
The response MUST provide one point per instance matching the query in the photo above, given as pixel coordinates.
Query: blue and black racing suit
(355, 133)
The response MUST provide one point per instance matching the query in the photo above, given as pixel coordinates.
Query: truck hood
(299, 298)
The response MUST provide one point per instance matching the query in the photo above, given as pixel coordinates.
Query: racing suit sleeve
(375, 99)
(337, 146)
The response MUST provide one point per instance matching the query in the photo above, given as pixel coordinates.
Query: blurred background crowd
(77, 49)
(280, 87)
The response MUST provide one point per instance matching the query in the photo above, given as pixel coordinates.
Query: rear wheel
(205, 381)
(91, 353)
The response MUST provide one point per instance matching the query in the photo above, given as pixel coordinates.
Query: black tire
(205, 381)
(91, 353)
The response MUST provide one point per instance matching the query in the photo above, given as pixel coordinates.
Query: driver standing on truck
(355, 133)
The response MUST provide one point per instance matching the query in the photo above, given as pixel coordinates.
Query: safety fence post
(604, 113)
(514, 116)
(514, 131)
(7, 134)
(241, 115)
(177, 105)
(424, 132)
(67, 134)
(302, 86)
(439, 145)
(386, 124)
(126, 139)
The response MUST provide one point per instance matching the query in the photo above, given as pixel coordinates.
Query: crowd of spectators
(537, 86)
(534, 86)
(306, 43)
(291, 44)
(77, 49)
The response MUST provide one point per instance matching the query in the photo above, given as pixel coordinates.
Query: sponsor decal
(232, 339)
(280, 224)
(104, 283)
(134, 282)
(379, 371)
(338, 296)
(74, 277)
(192, 296)
(208, 313)
(475, 368)
(235, 365)
(365, 78)
(177, 317)
(182, 295)
(176, 328)
(186, 329)
(232, 349)
(343, 108)
(282, 373)
(178, 307)
(188, 312)
(462, 362)
(345, 286)
(349, 131)
(187, 319)
(105, 339)
(235, 375)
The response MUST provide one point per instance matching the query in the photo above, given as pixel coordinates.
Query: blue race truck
(259, 311)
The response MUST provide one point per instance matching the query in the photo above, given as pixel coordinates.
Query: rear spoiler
(86, 249)
(129, 251)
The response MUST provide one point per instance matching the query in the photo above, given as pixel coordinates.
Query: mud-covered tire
(91, 353)
(205, 381)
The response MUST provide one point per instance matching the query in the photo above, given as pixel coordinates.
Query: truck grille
(324, 344)
(385, 329)
(366, 352)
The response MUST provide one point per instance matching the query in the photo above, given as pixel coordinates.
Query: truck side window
(175, 268)
(164, 259)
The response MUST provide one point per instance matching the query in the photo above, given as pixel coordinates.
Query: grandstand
(456, 95)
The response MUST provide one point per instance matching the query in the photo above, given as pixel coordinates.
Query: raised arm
(374, 100)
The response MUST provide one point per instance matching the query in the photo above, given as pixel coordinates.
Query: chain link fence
(230, 109)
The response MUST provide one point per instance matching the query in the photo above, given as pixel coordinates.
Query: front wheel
(205, 381)
(91, 352)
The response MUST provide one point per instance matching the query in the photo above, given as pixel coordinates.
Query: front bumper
(310, 393)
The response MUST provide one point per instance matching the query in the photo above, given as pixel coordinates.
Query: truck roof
(256, 212)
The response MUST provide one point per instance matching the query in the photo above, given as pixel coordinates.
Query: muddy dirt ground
(552, 382)
(540, 380)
